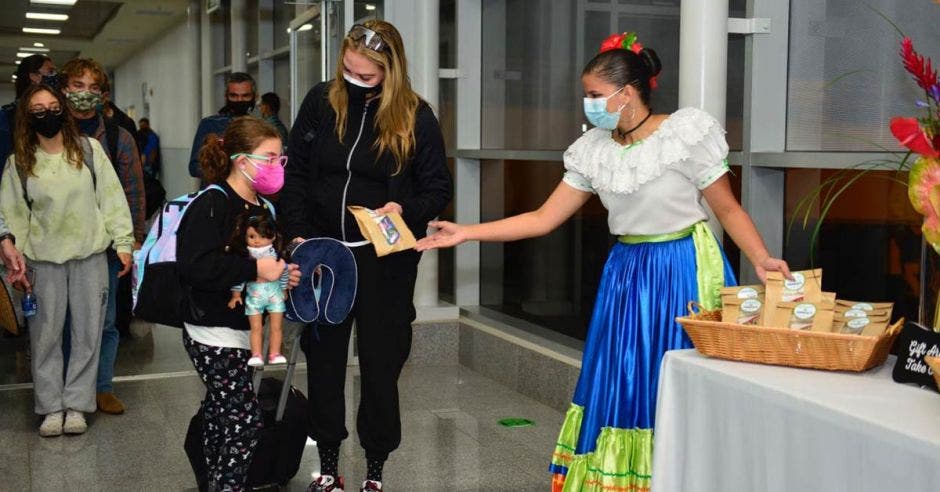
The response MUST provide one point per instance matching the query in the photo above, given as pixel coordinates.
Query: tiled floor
(451, 439)
(150, 349)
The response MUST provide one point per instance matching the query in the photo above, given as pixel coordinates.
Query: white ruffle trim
(689, 137)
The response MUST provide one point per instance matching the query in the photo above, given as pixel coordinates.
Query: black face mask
(360, 94)
(49, 125)
(51, 81)
(240, 108)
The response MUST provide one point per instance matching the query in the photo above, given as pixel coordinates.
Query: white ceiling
(108, 31)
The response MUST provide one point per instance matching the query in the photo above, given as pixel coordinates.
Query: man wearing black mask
(240, 96)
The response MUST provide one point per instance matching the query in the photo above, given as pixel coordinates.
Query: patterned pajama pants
(231, 414)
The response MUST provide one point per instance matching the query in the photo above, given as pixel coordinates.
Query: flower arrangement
(922, 137)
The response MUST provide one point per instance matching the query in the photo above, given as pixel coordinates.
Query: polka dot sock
(329, 461)
(375, 469)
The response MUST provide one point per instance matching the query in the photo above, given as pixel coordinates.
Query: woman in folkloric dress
(649, 170)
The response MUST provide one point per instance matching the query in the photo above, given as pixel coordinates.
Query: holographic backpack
(158, 295)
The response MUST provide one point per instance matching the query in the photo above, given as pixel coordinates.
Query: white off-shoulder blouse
(652, 186)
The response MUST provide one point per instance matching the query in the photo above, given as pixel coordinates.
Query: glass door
(315, 35)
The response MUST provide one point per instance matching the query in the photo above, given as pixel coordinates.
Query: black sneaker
(371, 486)
(326, 483)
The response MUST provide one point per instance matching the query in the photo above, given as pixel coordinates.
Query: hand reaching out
(448, 235)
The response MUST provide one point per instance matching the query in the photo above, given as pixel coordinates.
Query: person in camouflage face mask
(83, 82)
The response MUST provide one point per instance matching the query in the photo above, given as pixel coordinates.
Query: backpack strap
(23, 179)
(112, 135)
(89, 159)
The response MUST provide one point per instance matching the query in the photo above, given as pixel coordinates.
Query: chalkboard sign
(913, 344)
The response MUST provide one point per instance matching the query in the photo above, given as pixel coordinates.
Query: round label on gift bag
(747, 293)
(864, 306)
(804, 311)
(750, 306)
(856, 313)
(796, 283)
(856, 325)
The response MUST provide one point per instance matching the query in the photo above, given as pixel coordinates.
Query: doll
(257, 236)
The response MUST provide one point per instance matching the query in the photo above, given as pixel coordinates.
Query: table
(733, 426)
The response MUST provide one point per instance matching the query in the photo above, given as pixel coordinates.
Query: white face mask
(356, 82)
(262, 252)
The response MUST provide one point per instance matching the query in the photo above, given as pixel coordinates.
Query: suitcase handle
(288, 378)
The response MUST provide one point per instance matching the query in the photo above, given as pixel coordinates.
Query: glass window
(283, 14)
(531, 88)
(551, 281)
(869, 243)
(309, 46)
(282, 87)
(448, 34)
(734, 111)
(251, 21)
(845, 77)
(220, 27)
(368, 9)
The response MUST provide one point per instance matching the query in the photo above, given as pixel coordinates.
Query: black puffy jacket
(324, 175)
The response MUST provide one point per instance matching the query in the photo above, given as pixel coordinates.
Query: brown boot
(108, 403)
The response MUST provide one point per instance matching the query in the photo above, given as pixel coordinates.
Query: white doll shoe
(276, 359)
(255, 361)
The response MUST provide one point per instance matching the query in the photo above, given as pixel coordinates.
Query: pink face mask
(269, 177)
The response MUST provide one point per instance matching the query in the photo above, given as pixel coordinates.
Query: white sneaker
(255, 361)
(51, 425)
(74, 423)
(276, 359)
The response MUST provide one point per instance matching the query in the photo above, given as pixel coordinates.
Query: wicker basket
(784, 347)
(934, 363)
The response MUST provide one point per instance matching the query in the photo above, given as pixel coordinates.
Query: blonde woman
(364, 138)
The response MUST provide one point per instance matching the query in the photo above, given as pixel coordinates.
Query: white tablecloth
(731, 426)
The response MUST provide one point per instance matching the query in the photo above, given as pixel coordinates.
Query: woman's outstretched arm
(561, 205)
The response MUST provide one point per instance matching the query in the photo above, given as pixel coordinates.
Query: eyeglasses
(278, 160)
(372, 40)
(41, 113)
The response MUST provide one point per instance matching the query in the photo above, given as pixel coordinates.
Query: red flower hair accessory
(625, 41)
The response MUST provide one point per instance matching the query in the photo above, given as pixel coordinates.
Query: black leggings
(383, 311)
(231, 415)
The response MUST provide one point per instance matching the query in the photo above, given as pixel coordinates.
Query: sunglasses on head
(371, 39)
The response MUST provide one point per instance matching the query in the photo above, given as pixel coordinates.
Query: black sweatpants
(383, 312)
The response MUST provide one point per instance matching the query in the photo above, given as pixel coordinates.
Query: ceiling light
(369, 6)
(48, 17)
(35, 50)
(54, 2)
(305, 27)
(14, 76)
(17, 62)
(24, 55)
(40, 45)
(37, 30)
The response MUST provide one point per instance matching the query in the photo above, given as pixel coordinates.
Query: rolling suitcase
(281, 445)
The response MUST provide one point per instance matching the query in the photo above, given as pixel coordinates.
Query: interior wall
(7, 92)
(159, 83)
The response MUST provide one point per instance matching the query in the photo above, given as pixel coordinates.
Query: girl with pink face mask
(242, 165)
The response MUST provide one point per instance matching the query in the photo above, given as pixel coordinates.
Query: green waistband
(710, 272)
(656, 238)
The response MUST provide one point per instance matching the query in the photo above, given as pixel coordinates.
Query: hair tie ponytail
(651, 60)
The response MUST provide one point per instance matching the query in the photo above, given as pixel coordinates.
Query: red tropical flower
(909, 134)
(921, 69)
